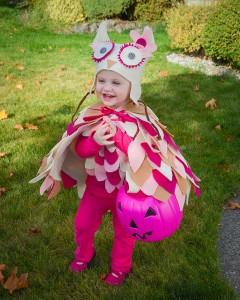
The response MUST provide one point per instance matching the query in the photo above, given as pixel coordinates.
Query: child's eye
(116, 82)
(100, 80)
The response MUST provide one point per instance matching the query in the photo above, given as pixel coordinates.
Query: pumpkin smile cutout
(146, 218)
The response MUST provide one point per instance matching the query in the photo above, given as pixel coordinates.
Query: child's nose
(107, 87)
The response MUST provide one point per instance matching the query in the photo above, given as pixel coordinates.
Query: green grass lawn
(57, 73)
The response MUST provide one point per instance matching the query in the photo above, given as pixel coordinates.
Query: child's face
(112, 89)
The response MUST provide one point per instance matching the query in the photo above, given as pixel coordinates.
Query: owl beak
(111, 63)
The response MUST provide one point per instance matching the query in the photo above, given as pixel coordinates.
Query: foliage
(222, 33)
(54, 13)
(100, 9)
(65, 12)
(27, 3)
(185, 26)
(151, 10)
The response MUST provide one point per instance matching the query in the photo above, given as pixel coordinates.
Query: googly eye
(130, 56)
(102, 51)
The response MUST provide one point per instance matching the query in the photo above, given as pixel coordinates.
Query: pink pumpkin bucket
(146, 218)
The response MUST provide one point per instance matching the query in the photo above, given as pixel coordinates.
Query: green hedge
(222, 33)
(100, 9)
(186, 25)
(65, 12)
(151, 10)
(53, 13)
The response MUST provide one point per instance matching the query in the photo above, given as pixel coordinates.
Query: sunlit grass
(185, 266)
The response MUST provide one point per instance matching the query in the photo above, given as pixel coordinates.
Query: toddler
(94, 153)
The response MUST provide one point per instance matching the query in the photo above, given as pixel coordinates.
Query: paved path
(229, 245)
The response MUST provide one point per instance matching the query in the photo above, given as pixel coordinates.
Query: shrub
(151, 10)
(65, 12)
(185, 26)
(53, 13)
(222, 33)
(27, 3)
(100, 9)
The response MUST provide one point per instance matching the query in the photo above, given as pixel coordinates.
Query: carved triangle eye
(133, 224)
(120, 206)
(150, 212)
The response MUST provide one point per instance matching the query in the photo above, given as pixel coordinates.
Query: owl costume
(144, 161)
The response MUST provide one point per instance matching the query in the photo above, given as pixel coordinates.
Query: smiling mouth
(108, 96)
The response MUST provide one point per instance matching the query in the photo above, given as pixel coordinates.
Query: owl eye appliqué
(102, 51)
(130, 56)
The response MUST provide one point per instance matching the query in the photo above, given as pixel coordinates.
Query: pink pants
(87, 221)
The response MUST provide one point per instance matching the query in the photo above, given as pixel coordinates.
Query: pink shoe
(80, 266)
(115, 277)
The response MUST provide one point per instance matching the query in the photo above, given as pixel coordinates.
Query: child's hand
(103, 134)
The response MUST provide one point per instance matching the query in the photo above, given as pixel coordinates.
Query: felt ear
(145, 41)
(147, 33)
(101, 35)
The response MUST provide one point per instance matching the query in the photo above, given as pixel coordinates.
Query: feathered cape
(154, 164)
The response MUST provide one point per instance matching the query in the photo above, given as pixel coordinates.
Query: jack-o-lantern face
(147, 219)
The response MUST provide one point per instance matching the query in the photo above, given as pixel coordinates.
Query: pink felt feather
(136, 155)
(164, 182)
(111, 157)
(100, 173)
(46, 185)
(153, 156)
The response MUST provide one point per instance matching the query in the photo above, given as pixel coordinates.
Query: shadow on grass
(180, 107)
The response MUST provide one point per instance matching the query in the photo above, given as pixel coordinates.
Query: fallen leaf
(163, 73)
(198, 138)
(3, 267)
(38, 83)
(21, 50)
(14, 283)
(62, 49)
(31, 126)
(2, 154)
(224, 166)
(196, 88)
(233, 205)
(19, 85)
(41, 116)
(9, 77)
(2, 190)
(43, 77)
(18, 127)
(63, 68)
(11, 174)
(33, 231)
(15, 29)
(3, 114)
(211, 103)
(229, 138)
(1, 63)
(19, 67)
(218, 127)
(1, 278)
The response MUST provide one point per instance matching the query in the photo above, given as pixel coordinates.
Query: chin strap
(79, 105)
(146, 113)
